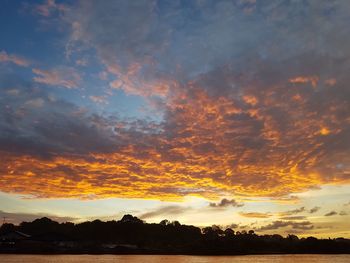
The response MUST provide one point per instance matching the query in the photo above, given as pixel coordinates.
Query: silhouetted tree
(251, 232)
(229, 232)
(7, 227)
(164, 222)
(132, 235)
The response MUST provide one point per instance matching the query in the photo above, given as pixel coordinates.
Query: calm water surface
(176, 259)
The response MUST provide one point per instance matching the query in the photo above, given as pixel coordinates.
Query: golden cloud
(207, 145)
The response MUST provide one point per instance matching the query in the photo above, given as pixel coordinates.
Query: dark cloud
(226, 203)
(233, 226)
(304, 225)
(36, 124)
(332, 213)
(343, 213)
(165, 211)
(314, 209)
(292, 212)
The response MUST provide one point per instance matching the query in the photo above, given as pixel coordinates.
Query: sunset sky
(234, 113)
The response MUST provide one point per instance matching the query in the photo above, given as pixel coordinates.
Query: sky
(231, 112)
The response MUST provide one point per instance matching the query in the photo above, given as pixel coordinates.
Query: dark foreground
(307, 258)
(131, 235)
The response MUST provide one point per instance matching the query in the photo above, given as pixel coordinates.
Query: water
(175, 259)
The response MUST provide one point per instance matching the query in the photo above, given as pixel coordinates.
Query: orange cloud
(305, 79)
(331, 82)
(206, 145)
(324, 131)
(131, 81)
(250, 100)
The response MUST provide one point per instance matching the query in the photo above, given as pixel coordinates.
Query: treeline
(133, 236)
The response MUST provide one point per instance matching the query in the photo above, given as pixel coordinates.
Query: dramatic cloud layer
(254, 101)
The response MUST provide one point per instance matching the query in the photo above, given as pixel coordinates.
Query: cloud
(226, 203)
(194, 144)
(332, 213)
(83, 62)
(255, 214)
(19, 61)
(314, 209)
(343, 213)
(64, 77)
(304, 225)
(165, 211)
(287, 199)
(33, 123)
(48, 7)
(293, 217)
(232, 121)
(99, 99)
(16, 218)
(305, 79)
(233, 226)
(292, 212)
(128, 82)
(129, 52)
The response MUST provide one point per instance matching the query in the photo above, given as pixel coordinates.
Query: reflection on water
(175, 259)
